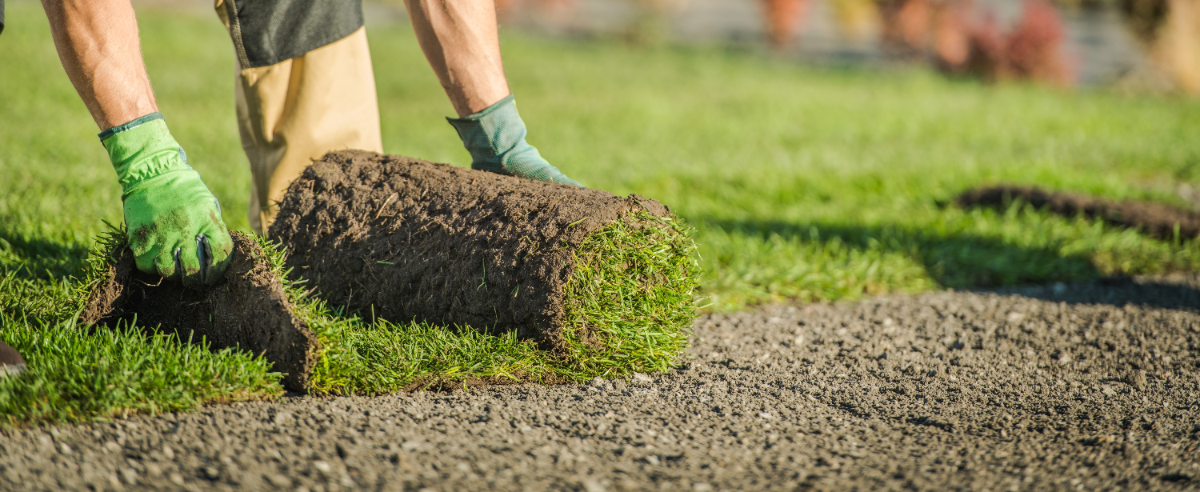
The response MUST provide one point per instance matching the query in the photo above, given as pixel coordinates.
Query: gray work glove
(495, 137)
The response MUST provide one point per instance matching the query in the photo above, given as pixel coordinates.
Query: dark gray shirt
(266, 32)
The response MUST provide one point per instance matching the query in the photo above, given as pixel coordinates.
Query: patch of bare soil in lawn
(1156, 219)
(1093, 385)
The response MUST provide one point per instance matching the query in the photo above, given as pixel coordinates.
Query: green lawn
(802, 183)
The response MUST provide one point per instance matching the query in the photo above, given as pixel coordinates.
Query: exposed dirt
(1156, 219)
(1092, 386)
(405, 239)
(250, 310)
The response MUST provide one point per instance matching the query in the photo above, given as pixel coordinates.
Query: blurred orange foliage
(906, 25)
(1033, 50)
(952, 34)
(783, 20)
(963, 44)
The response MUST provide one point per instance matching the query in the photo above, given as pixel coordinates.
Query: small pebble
(1137, 378)
(322, 466)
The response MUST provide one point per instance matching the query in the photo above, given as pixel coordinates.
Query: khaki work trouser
(297, 110)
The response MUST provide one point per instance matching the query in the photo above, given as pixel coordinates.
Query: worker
(304, 87)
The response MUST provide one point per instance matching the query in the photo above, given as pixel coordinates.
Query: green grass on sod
(75, 376)
(802, 183)
(630, 302)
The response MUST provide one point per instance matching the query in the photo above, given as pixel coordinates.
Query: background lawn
(802, 183)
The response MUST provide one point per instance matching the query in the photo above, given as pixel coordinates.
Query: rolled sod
(249, 311)
(603, 281)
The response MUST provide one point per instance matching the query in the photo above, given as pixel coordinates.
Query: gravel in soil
(1093, 385)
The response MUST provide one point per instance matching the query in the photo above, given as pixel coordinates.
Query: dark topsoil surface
(1093, 386)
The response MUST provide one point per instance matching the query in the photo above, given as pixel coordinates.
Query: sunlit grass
(76, 375)
(801, 183)
(631, 300)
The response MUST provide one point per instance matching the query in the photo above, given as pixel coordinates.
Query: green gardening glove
(174, 222)
(495, 137)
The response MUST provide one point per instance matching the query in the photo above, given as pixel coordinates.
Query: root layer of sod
(249, 310)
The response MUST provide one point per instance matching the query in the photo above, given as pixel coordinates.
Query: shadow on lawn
(39, 258)
(954, 260)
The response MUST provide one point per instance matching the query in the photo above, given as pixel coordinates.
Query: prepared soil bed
(249, 311)
(591, 276)
(1089, 386)
(1156, 219)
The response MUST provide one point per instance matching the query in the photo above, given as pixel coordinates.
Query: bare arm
(460, 40)
(98, 45)
(174, 221)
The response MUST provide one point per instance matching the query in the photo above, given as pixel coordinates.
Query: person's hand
(495, 137)
(173, 221)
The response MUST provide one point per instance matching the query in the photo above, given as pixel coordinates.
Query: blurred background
(817, 146)
(1147, 43)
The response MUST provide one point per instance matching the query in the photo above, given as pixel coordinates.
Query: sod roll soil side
(249, 311)
(405, 239)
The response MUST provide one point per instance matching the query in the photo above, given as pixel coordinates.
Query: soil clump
(1088, 386)
(250, 311)
(409, 240)
(1156, 219)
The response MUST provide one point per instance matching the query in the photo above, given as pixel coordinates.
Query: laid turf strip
(1156, 219)
(603, 280)
(250, 310)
